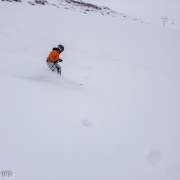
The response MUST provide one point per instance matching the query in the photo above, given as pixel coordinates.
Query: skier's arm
(56, 57)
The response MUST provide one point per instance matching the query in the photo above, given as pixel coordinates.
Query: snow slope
(122, 123)
(150, 11)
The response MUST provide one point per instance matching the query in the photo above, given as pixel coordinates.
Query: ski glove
(55, 62)
(59, 60)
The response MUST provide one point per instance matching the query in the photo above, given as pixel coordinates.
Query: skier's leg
(51, 65)
(58, 67)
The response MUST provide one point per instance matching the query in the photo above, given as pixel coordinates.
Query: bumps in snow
(40, 2)
(12, 0)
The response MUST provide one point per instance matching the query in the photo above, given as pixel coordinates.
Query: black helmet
(61, 48)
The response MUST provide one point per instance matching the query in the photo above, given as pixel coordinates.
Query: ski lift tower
(165, 19)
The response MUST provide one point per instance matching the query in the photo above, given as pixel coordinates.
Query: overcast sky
(142, 8)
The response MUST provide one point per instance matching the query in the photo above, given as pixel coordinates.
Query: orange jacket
(54, 55)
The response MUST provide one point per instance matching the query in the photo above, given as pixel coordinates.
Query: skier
(53, 59)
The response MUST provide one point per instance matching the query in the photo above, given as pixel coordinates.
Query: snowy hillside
(113, 113)
(150, 11)
(76, 5)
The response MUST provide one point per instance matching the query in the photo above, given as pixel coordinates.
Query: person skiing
(53, 59)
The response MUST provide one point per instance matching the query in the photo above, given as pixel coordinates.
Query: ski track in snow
(59, 80)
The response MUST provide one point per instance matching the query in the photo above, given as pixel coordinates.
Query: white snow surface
(150, 11)
(113, 114)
